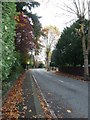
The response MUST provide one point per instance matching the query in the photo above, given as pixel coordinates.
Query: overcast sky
(52, 13)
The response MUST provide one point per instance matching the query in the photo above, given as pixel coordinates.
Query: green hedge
(8, 35)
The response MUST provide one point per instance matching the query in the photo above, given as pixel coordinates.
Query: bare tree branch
(85, 13)
(77, 9)
(71, 21)
(83, 8)
(79, 6)
(73, 12)
(70, 9)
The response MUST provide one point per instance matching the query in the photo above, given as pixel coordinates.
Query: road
(67, 97)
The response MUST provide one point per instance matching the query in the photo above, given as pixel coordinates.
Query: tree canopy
(24, 34)
(69, 47)
(28, 33)
(26, 7)
(51, 35)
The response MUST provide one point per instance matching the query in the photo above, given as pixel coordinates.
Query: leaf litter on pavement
(14, 97)
(10, 107)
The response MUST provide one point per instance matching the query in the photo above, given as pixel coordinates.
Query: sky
(55, 12)
(52, 14)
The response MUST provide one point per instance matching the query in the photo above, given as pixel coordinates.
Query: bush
(41, 65)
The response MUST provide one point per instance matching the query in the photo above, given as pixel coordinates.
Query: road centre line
(66, 83)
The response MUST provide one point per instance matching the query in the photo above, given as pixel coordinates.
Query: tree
(51, 35)
(37, 34)
(85, 45)
(24, 34)
(80, 12)
(69, 47)
(26, 7)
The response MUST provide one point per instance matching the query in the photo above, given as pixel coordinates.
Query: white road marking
(51, 111)
(66, 83)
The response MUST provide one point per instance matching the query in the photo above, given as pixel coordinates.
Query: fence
(73, 70)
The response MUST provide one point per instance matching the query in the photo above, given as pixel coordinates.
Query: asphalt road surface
(67, 97)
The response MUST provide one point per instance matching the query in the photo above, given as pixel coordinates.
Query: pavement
(30, 107)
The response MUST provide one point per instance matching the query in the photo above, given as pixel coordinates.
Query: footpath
(31, 103)
(23, 101)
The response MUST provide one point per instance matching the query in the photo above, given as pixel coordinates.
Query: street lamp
(28, 62)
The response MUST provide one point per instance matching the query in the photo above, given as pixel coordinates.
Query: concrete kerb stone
(51, 111)
(39, 110)
(30, 108)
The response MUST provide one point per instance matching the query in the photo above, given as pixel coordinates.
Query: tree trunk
(86, 69)
(47, 60)
(85, 54)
